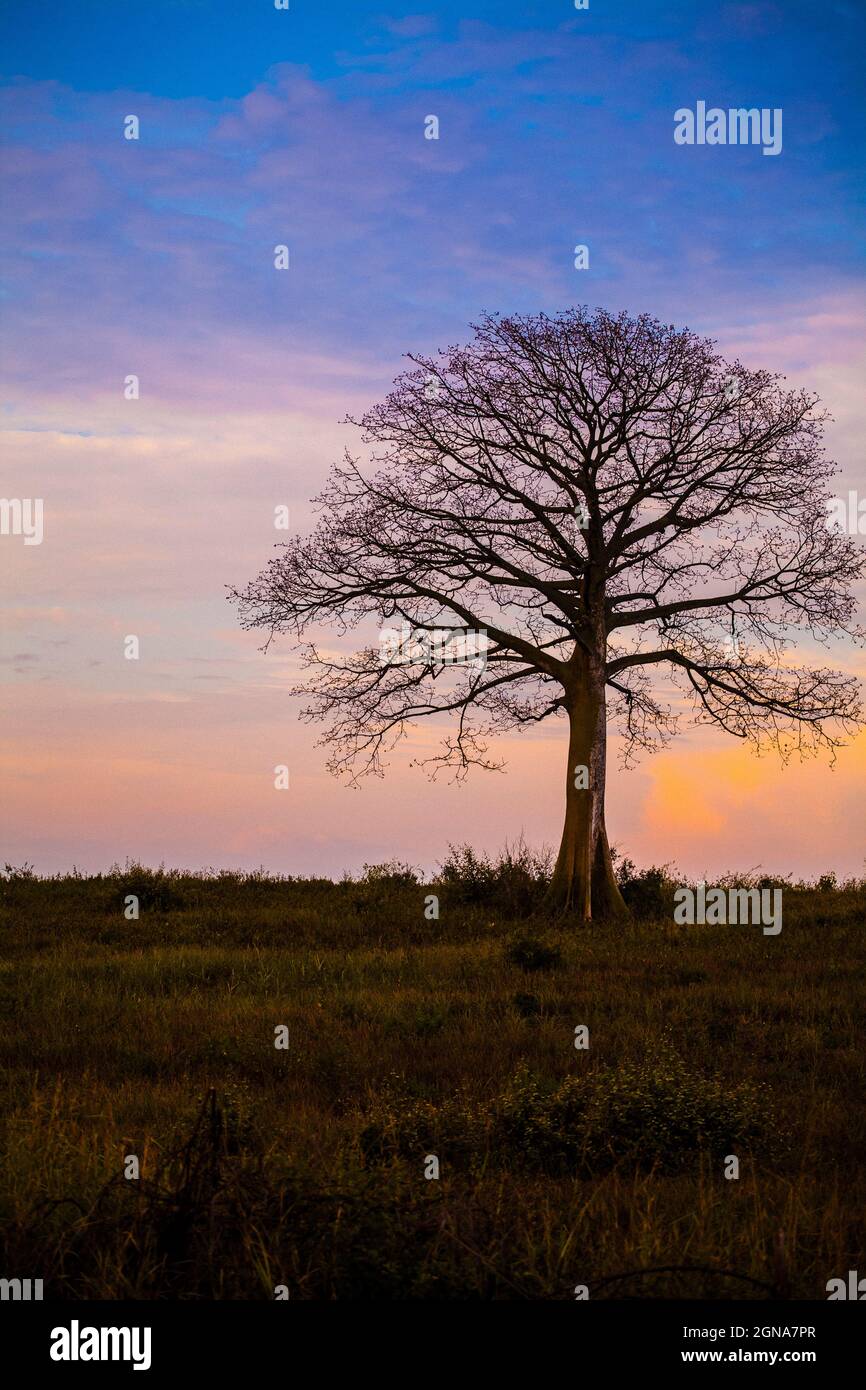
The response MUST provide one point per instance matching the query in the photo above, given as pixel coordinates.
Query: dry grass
(407, 1037)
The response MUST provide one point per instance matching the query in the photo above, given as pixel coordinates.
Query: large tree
(601, 496)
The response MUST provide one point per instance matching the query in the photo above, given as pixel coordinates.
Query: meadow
(305, 1169)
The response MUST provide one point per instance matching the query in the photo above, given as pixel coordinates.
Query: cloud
(413, 26)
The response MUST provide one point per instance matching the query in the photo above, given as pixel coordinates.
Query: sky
(154, 257)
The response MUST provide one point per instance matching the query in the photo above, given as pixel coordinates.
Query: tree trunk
(583, 880)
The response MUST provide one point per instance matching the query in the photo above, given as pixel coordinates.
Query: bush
(468, 877)
(19, 873)
(647, 892)
(655, 1112)
(15, 884)
(391, 874)
(514, 884)
(156, 890)
(399, 1124)
(532, 953)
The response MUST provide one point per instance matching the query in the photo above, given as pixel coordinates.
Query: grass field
(410, 1038)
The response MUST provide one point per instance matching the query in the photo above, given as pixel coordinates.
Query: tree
(601, 496)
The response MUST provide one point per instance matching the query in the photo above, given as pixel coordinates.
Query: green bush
(647, 892)
(392, 874)
(514, 884)
(653, 1113)
(156, 890)
(400, 1124)
(466, 875)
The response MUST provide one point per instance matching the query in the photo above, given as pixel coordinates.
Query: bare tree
(601, 496)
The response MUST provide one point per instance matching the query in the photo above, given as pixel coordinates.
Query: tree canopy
(602, 495)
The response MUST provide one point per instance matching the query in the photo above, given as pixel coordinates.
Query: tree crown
(600, 495)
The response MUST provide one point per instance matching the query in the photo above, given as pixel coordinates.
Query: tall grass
(411, 1037)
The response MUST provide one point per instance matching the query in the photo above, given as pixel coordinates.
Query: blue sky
(556, 129)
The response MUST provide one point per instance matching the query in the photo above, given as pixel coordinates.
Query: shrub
(514, 884)
(391, 874)
(655, 1112)
(647, 892)
(652, 1112)
(532, 953)
(467, 876)
(522, 876)
(16, 881)
(17, 873)
(399, 1124)
(155, 889)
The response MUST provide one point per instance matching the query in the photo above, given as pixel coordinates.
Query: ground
(302, 1169)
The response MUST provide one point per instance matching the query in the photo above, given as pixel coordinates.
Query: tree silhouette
(601, 496)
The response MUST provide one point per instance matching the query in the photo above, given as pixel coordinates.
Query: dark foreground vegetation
(411, 1037)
